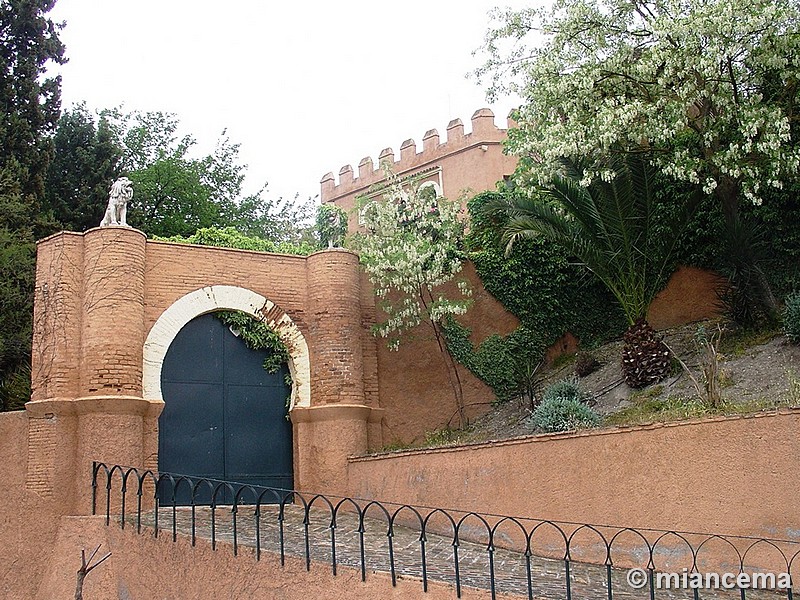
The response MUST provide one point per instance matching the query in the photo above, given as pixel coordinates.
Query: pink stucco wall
(734, 475)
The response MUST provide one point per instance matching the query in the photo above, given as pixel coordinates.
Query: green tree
(30, 105)
(86, 161)
(614, 227)
(177, 193)
(709, 88)
(412, 247)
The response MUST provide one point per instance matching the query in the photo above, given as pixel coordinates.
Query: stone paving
(547, 576)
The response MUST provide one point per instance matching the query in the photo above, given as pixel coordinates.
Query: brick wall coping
(182, 245)
(109, 405)
(548, 437)
(342, 250)
(93, 229)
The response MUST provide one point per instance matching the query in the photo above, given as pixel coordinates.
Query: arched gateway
(224, 416)
(224, 297)
(110, 304)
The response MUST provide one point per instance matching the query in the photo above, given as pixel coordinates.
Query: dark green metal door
(224, 415)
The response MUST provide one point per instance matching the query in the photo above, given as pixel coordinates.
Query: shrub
(563, 414)
(566, 389)
(563, 408)
(791, 317)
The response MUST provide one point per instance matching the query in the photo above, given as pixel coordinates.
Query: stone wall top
(484, 131)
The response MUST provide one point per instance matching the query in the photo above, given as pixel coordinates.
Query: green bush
(230, 237)
(563, 414)
(566, 389)
(791, 317)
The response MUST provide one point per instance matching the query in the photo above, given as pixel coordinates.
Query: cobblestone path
(547, 576)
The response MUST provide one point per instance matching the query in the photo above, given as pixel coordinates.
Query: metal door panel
(195, 355)
(257, 451)
(192, 445)
(224, 416)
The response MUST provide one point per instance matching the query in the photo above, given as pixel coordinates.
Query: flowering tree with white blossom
(410, 250)
(711, 88)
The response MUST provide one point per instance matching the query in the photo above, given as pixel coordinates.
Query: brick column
(88, 401)
(113, 312)
(335, 426)
(334, 303)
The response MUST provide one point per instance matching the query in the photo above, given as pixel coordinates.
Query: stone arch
(225, 297)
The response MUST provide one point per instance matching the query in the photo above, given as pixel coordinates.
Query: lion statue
(121, 193)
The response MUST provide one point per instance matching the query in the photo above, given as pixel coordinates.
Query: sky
(304, 87)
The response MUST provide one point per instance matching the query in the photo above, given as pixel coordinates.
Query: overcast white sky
(304, 87)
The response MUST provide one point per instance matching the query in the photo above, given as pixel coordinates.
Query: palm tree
(613, 227)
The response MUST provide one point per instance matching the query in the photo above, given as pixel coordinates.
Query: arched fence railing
(521, 556)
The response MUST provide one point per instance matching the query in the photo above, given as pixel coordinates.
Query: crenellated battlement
(484, 133)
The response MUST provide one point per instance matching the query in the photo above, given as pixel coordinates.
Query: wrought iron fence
(523, 556)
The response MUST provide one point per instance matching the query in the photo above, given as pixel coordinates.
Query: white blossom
(411, 250)
(706, 85)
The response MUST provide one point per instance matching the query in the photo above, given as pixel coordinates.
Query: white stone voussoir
(225, 297)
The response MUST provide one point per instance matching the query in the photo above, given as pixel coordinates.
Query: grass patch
(438, 437)
(794, 389)
(446, 436)
(736, 342)
(649, 409)
(395, 446)
(562, 360)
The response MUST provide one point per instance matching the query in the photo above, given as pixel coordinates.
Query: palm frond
(609, 225)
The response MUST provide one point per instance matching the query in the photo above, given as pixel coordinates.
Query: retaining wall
(734, 475)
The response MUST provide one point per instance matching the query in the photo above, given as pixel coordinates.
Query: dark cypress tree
(29, 110)
(85, 163)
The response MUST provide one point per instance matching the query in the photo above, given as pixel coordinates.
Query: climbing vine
(544, 289)
(256, 335)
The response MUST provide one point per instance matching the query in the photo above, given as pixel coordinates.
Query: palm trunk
(728, 193)
(645, 357)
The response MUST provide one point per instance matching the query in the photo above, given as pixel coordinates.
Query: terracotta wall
(463, 162)
(691, 294)
(28, 520)
(415, 389)
(736, 475)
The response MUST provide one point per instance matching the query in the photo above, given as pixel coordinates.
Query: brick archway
(225, 297)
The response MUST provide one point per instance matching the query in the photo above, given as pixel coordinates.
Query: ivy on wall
(508, 365)
(256, 335)
(548, 293)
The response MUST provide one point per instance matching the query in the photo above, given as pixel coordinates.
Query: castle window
(429, 190)
(363, 211)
